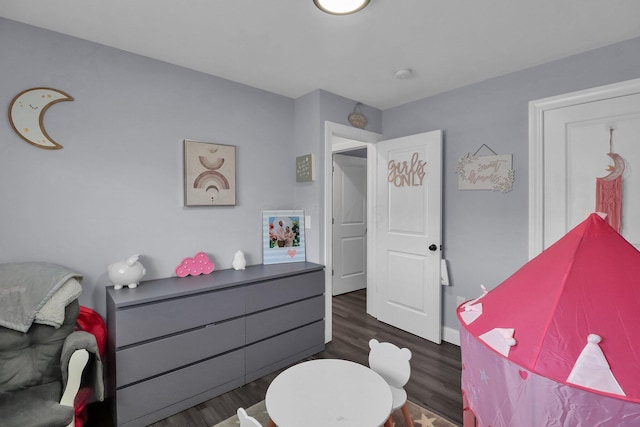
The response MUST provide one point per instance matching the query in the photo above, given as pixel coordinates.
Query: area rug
(421, 417)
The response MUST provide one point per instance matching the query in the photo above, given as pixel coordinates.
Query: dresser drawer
(152, 358)
(148, 321)
(271, 353)
(285, 290)
(284, 318)
(149, 396)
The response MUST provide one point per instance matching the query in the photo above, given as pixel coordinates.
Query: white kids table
(328, 392)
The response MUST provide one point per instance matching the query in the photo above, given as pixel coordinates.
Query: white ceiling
(291, 48)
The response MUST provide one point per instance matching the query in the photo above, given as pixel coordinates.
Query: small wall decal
(305, 168)
(403, 174)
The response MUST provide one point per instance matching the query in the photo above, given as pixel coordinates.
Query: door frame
(358, 138)
(537, 109)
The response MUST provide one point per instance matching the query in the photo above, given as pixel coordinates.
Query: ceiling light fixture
(341, 7)
(404, 73)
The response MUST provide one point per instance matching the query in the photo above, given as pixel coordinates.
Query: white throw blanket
(52, 312)
(25, 288)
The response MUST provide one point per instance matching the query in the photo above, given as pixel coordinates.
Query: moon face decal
(26, 113)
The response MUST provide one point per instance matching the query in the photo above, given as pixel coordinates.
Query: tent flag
(500, 339)
(471, 313)
(472, 309)
(592, 370)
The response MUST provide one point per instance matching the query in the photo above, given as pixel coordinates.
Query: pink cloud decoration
(195, 266)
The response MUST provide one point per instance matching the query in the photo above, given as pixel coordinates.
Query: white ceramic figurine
(126, 273)
(239, 262)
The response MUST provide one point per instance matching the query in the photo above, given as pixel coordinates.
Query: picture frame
(283, 239)
(209, 174)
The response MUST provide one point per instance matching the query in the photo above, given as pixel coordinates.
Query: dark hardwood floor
(434, 382)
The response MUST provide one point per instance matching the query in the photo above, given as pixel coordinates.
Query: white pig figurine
(126, 273)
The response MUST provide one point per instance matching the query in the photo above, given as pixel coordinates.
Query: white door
(576, 141)
(349, 223)
(408, 233)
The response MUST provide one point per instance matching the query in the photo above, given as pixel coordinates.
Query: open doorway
(404, 240)
(349, 221)
(339, 139)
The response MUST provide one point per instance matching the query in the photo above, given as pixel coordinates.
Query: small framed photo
(209, 174)
(283, 236)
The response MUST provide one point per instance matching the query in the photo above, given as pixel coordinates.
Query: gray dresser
(176, 342)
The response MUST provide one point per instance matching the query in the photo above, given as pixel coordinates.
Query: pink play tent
(558, 342)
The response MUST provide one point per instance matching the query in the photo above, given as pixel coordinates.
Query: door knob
(433, 247)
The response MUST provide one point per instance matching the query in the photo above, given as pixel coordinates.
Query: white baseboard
(451, 335)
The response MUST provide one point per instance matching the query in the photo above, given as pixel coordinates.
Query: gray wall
(485, 233)
(116, 188)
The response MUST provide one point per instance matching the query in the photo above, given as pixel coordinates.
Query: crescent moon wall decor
(609, 189)
(617, 169)
(26, 113)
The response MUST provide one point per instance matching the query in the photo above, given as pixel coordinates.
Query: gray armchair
(41, 371)
(42, 358)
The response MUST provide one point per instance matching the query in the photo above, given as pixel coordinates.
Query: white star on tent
(483, 376)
